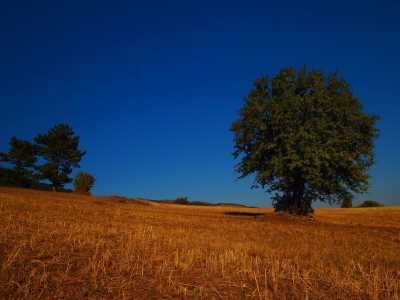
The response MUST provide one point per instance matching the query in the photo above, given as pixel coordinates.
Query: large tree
(22, 158)
(59, 147)
(305, 137)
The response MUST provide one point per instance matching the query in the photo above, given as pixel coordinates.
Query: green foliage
(182, 200)
(305, 137)
(83, 183)
(347, 203)
(370, 203)
(22, 156)
(59, 147)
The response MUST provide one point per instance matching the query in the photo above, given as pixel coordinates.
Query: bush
(370, 203)
(83, 183)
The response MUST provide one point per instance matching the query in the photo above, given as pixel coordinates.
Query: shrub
(83, 183)
(370, 203)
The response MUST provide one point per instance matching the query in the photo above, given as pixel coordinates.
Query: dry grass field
(66, 246)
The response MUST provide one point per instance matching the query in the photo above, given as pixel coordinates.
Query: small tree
(59, 147)
(305, 137)
(83, 183)
(22, 156)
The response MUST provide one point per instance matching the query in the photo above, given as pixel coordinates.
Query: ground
(56, 245)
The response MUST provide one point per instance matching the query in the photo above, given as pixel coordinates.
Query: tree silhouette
(59, 147)
(22, 157)
(305, 137)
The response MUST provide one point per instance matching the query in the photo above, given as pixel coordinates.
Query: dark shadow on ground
(243, 214)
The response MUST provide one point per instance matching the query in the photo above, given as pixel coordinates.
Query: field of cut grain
(65, 246)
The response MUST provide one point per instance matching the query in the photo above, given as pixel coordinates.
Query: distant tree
(83, 183)
(305, 137)
(59, 147)
(22, 158)
(370, 203)
(182, 200)
(347, 203)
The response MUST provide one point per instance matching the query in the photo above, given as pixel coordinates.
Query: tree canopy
(305, 137)
(59, 147)
(44, 163)
(22, 157)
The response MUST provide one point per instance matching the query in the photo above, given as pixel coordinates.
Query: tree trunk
(294, 202)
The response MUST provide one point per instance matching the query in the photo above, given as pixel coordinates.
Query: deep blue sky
(152, 89)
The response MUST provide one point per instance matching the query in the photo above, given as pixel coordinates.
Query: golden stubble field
(66, 246)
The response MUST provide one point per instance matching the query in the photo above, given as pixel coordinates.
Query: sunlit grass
(55, 245)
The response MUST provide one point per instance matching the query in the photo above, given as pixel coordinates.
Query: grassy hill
(62, 245)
